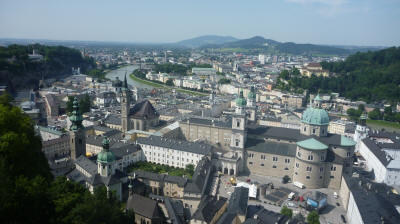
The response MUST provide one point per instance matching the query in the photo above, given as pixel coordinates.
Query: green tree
(353, 113)
(361, 107)
(375, 114)
(224, 81)
(169, 82)
(286, 211)
(190, 169)
(313, 218)
(24, 171)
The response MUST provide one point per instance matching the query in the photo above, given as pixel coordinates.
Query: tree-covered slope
(18, 71)
(370, 76)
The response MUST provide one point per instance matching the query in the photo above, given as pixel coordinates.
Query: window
(323, 131)
(320, 177)
(310, 157)
(262, 164)
(263, 157)
(297, 165)
(273, 166)
(295, 173)
(287, 160)
(298, 154)
(348, 154)
(332, 177)
(238, 124)
(305, 128)
(321, 169)
(333, 168)
(274, 158)
(307, 177)
(313, 131)
(286, 168)
(309, 169)
(322, 158)
(250, 163)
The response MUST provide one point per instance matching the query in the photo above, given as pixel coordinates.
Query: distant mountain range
(206, 40)
(262, 45)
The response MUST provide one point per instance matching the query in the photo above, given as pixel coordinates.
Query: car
(343, 218)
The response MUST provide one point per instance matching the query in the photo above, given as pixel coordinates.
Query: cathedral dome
(315, 116)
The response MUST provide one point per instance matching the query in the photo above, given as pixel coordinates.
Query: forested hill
(18, 71)
(370, 76)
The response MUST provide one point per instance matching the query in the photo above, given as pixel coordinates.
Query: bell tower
(239, 133)
(125, 107)
(77, 138)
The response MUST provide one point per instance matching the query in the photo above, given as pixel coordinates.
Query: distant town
(216, 134)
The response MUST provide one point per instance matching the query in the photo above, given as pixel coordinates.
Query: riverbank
(161, 86)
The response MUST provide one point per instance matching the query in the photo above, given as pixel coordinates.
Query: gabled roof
(143, 206)
(312, 144)
(238, 201)
(143, 110)
(208, 207)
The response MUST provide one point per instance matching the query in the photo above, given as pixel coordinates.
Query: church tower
(239, 133)
(125, 107)
(106, 160)
(251, 105)
(77, 140)
(361, 129)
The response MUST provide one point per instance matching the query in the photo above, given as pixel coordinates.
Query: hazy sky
(346, 22)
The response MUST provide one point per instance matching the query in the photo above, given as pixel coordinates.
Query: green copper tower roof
(76, 117)
(312, 144)
(106, 156)
(241, 101)
(317, 98)
(252, 94)
(344, 141)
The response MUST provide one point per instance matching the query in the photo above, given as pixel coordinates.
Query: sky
(336, 22)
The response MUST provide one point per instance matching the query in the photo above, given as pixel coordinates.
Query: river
(120, 73)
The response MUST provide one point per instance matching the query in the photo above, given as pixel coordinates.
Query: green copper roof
(317, 98)
(106, 156)
(312, 144)
(252, 93)
(241, 101)
(344, 141)
(76, 117)
(315, 116)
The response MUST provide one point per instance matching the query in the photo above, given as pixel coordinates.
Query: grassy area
(161, 86)
(384, 124)
(162, 169)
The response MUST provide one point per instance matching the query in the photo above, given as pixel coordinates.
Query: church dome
(315, 116)
(106, 156)
(241, 101)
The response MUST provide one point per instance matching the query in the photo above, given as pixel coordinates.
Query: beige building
(341, 127)
(293, 101)
(216, 132)
(311, 156)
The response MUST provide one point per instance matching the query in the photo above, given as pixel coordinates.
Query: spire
(76, 117)
(125, 82)
(106, 144)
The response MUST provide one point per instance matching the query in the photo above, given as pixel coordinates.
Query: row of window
(320, 177)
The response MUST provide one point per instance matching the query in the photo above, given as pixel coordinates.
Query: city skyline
(340, 22)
